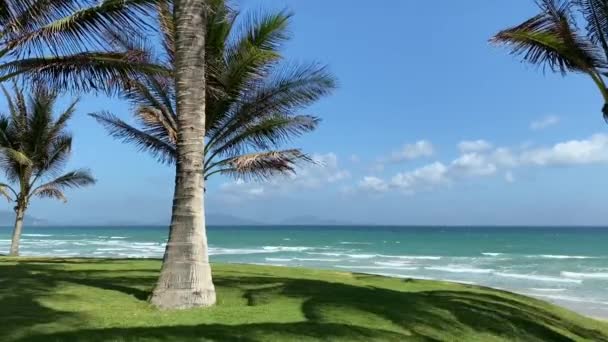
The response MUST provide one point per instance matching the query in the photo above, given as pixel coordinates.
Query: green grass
(105, 300)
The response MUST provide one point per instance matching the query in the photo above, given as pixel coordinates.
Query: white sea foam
(317, 259)
(36, 235)
(492, 254)
(551, 256)
(393, 263)
(569, 298)
(538, 277)
(459, 269)
(286, 248)
(237, 251)
(118, 237)
(326, 253)
(355, 243)
(576, 275)
(362, 256)
(547, 290)
(412, 257)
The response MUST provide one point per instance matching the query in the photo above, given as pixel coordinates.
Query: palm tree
(552, 39)
(252, 101)
(250, 108)
(34, 148)
(63, 42)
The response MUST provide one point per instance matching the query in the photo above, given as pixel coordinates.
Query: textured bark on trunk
(19, 213)
(185, 278)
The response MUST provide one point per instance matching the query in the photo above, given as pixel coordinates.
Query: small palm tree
(235, 105)
(62, 43)
(552, 39)
(34, 148)
(252, 99)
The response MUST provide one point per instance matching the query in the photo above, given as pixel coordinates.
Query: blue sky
(430, 125)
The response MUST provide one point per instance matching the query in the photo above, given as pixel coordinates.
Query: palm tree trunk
(185, 278)
(19, 213)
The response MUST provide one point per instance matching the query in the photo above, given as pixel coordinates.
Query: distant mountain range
(309, 220)
(7, 218)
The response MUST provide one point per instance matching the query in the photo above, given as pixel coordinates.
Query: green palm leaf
(253, 100)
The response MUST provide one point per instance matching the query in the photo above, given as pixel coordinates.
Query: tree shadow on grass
(450, 313)
(20, 307)
(301, 331)
(332, 311)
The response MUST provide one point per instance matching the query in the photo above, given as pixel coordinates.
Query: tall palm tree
(552, 39)
(250, 105)
(34, 148)
(252, 100)
(62, 42)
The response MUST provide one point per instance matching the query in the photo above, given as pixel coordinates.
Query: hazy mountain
(229, 220)
(309, 220)
(7, 218)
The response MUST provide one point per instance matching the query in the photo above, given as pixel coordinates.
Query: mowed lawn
(105, 300)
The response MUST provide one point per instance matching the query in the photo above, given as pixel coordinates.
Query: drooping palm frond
(267, 133)
(260, 165)
(55, 188)
(551, 39)
(62, 42)
(84, 27)
(158, 146)
(596, 17)
(7, 192)
(80, 72)
(253, 101)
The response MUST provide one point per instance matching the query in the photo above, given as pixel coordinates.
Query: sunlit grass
(105, 300)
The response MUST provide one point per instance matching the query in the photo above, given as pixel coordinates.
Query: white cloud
(374, 184)
(545, 122)
(473, 164)
(593, 150)
(503, 157)
(421, 148)
(474, 146)
(574, 152)
(426, 176)
(355, 158)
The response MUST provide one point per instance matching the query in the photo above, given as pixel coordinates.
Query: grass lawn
(105, 300)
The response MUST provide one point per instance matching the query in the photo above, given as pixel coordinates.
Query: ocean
(564, 265)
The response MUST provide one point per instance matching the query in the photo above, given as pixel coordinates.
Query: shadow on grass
(332, 311)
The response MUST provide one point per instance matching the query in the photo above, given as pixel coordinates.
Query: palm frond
(70, 180)
(162, 150)
(6, 191)
(50, 192)
(27, 15)
(81, 72)
(268, 133)
(10, 155)
(596, 16)
(550, 39)
(259, 165)
(84, 27)
(289, 89)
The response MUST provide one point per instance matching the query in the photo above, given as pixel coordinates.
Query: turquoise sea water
(565, 265)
